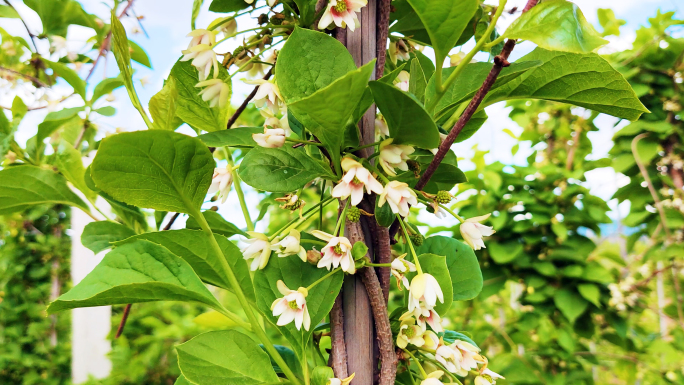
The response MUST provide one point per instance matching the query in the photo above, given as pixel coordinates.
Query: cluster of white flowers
(459, 358)
(201, 52)
(622, 294)
(221, 182)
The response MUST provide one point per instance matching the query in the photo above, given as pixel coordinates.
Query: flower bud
(353, 214)
(443, 197)
(417, 239)
(313, 256)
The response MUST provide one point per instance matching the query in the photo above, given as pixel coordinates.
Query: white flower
(292, 307)
(402, 81)
(202, 36)
(203, 58)
(398, 50)
(381, 128)
(410, 333)
(267, 94)
(456, 59)
(290, 246)
(433, 378)
(488, 377)
(221, 182)
(437, 210)
(394, 156)
(343, 381)
(337, 253)
(228, 25)
(470, 356)
(145, 80)
(58, 43)
(216, 92)
(399, 196)
(429, 317)
(259, 250)
(450, 358)
(271, 138)
(353, 182)
(271, 121)
(442, 137)
(400, 267)
(472, 231)
(425, 288)
(342, 13)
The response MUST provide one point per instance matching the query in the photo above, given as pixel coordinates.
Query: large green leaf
(585, 80)
(225, 357)
(295, 274)
(155, 169)
(98, 236)
(463, 266)
(216, 223)
(25, 186)
(68, 161)
(436, 265)
(283, 169)
(195, 248)
(163, 107)
(327, 111)
(445, 21)
(468, 82)
(136, 272)
(190, 106)
(407, 120)
(57, 15)
(570, 303)
(557, 25)
(240, 137)
(228, 5)
(310, 61)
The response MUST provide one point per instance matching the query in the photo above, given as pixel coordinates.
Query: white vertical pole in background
(89, 326)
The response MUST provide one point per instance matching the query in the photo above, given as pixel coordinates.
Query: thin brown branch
(33, 79)
(31, 35)
(651, 189)
(338, 351)
(249, 98)
(122, 324)
(171, 221)
(382, 31)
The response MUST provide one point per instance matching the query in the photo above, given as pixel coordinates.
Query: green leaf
(445, 21)
(384, 215)
(239, 137)
(468, 82)
(104, 87)
(25, 186)
(290, 359)
(464, 269)
(436, 266)
(54, 121)
(504, 252)
(451, 336)
(182, 381)
(310, 61)
(295, 274)
(225, 357)
(138, 54)
(69, 75)
(321, 375)
(155, 169)
(328, 120)
(196, 8)
(585, 80)
(611, 24)
(194, 247)
(99, 236)
(556, 25)
(163, 107)
(215, 320)
(216, 223)
(407, 120)
(591, 293)
(426, 64)
(68, 161)
(473, 125)
(122, 54)
(190, 106)
(133, 273)
(106, 111)
(307, 11)
(571, 304)
(8, 12)
(283, 169)
(57, 15)
(359, 250)
(225, 6)
(417, 81)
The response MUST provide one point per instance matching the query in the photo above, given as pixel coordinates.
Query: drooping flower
(221, 182)
(472, 231)
(216, 92)
(470, 355)
(399, 196)
(410, 333)
(343, 381)
(433, 378)
(402, 81)
(267, 94)
(424, 288)
(228, 25)
(437, 210)
(353, 182)
(337, 253)
(400, 267)
(292, 307)
(488, 377)
(398, 50)
(394, 156)
(202, 36)
(289, 245)
(271, 121)
(428, 317)
(203, 58)
(342, 13)
(450, 358)
(271, 138)
(258, 250)
(381, 128)
(456, 59)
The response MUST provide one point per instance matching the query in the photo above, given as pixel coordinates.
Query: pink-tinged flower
(470, 355)
(271, 138)
(258, 250)
(394, 156)
(488, 377)
(271, 121)
(402, 81)
(292, 307)
(472, 231)
(429, 317)
(290, 245)
(267, 94)
(424, 288)
(433, 378)
(202, 36)
(221, 182)
(342, 381)
(342, 13)
(381, 128)
(216, 92)
(399, 196)
(203, 58)
(337, 253)
(400, 267)
(353, 182)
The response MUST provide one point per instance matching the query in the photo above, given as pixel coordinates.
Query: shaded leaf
(464, 269)
(99, 236)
